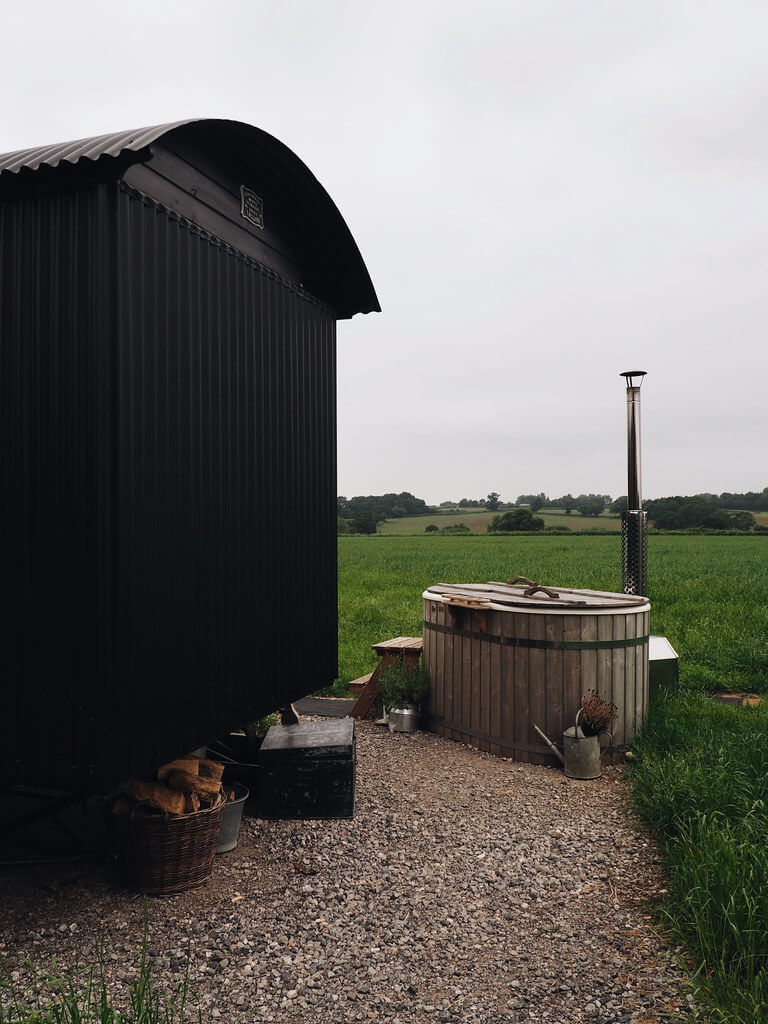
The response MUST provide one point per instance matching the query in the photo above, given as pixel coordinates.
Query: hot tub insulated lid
(529, 596)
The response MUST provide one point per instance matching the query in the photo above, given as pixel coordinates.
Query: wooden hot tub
(502, 656)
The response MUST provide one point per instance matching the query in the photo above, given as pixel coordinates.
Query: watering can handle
(520, 579)
(530, 591)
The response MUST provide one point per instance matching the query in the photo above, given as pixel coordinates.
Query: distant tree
(743, 521)
(717, 520)
(432, 528)
(342, 525)
(447, 504)
(619, 507)
(695, 510)
(591, 506)
(668, 521)
(492, 501)
(533, 501)
(457, 528)
(516, 519)
(381, 506)
(364, 522)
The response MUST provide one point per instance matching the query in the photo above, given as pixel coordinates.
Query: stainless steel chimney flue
(633, 524)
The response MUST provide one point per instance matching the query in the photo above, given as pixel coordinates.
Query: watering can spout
(550, 744)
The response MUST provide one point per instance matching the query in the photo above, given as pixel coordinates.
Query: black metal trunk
(308, 770)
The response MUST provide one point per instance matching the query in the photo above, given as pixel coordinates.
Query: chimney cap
(630, 374)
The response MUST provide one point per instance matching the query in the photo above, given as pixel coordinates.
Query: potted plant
(596, 714)
(403, 692)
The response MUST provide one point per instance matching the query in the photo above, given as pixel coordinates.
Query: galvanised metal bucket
(581, 754)
(230, 821)
(403, 719)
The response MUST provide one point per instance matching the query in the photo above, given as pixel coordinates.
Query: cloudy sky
(545, 193)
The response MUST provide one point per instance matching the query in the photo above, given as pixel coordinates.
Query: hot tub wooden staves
(502, 657)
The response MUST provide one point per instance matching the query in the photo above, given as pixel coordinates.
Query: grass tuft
(700, 779)
(86, 997)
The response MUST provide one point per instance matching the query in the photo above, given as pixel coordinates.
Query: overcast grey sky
(545, 193)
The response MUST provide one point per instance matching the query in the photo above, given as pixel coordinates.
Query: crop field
(708, 594)
(700, 773)
(477, 521)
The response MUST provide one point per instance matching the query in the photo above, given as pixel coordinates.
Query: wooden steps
(359, 684)
(401, 649)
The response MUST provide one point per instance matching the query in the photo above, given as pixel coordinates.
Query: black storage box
(308, 770)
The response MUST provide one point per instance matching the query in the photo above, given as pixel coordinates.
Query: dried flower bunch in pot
(596, 715)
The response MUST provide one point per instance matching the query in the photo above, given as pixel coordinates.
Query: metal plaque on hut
(251, 207)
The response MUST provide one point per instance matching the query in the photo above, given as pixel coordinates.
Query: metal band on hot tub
(546, 645)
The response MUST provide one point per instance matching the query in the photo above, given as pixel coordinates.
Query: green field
(700, 774)
(708, 594)
(477, 520)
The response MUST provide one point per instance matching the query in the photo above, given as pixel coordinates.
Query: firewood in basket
(122, 807)
(181, 764)
(188, 783)
(191, 803)
(210, 769)
(154, 793)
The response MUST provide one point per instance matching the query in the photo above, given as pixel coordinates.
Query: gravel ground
(466, 889)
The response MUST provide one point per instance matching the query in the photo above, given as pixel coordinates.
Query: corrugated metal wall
(168, 443)
(226, 447)
(54, 274)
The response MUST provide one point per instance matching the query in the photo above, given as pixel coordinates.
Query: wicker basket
(168, 853)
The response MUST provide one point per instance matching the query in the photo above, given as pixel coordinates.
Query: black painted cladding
(167, 409)
(53, 281)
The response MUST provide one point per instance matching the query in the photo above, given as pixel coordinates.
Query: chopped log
(210, 769)
(191, 803)
(181, 764)
(185, 782)
(121, 807)
(154, 793)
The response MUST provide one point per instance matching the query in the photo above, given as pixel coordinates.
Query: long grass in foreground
(701, 781)
(86, 998)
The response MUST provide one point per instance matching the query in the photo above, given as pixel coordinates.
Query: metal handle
(530, 591)
(520, 579)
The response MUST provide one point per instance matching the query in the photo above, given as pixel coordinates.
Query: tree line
(362, 513)
(726, 511)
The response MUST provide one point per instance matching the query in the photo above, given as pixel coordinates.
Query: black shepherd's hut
(168, 308)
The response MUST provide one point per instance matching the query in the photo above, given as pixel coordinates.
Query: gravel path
(466, 889)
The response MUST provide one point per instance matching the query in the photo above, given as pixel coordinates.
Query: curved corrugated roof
(94, 148)
(330, 244)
